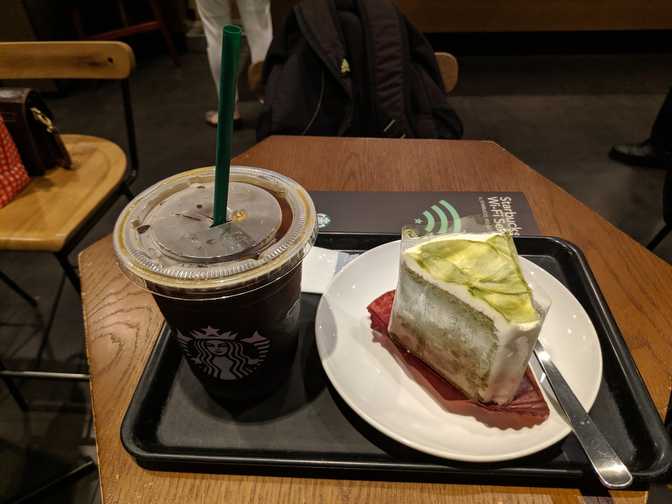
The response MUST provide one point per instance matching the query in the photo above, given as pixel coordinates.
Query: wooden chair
(56, 211)
(127, 29)
(449, 69)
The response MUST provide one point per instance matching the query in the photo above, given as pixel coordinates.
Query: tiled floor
(558, 113)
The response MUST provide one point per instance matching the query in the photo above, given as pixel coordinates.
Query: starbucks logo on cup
(224, 354)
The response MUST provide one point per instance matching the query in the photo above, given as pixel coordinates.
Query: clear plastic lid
(165, 242)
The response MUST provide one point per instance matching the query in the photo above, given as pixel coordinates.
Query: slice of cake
(463, 307)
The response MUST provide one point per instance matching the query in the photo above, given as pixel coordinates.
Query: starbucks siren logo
(223, 354)
(323, 220)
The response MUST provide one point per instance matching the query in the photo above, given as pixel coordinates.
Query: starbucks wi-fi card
(440, 212)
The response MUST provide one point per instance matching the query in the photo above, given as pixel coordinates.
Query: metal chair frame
(667, 213)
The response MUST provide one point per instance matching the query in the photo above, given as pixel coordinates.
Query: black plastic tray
(306, 429)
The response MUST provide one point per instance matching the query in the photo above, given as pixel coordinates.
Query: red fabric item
(528, 407)
(13, 175)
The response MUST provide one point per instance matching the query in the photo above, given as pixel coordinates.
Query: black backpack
(353, 68)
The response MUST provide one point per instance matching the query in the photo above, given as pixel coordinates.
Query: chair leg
(77, 22)
(158, 14)
(122, 13)
(14, 390)
(50, 321)
(130, 132)
(12, 285)
(69, 270)
(76, 473)
(126, 191)
(659, 236)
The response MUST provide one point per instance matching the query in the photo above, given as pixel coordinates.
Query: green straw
(227, 99)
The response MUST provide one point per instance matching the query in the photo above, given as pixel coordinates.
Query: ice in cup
(231, 293)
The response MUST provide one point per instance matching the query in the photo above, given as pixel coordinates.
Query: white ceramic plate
(374, 385)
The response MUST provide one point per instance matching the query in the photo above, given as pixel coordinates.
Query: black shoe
(641, 154)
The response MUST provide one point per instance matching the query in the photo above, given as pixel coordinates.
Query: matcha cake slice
(463, 306)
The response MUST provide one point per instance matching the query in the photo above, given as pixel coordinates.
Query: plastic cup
(231, 293)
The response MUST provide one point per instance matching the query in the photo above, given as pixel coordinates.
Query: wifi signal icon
(436, 218)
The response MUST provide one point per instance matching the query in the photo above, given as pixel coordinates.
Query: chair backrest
(65, 60)
(75, 60)
(449, 69)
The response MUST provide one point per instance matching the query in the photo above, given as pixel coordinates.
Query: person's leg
(256, 18)
(661, 132)
(215, 14)
(656, 151)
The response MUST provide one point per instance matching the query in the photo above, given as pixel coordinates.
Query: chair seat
(45, 214)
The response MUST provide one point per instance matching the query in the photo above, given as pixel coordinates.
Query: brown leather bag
(31, 125)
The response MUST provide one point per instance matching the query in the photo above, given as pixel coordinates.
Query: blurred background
(557, 83)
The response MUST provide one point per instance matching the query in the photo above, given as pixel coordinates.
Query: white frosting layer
(514, 342)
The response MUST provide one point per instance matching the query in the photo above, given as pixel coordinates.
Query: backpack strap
(323, 34)
(387, 57)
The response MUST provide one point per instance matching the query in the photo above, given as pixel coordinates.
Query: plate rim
(562, 433)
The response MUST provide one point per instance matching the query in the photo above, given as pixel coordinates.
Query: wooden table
(122, 322)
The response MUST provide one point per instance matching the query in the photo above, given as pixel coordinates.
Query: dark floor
(559, 113)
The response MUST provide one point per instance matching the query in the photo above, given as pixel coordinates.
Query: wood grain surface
(523, 15)
(122, 322)
(65, 60)
(53, 206)
(532, 15)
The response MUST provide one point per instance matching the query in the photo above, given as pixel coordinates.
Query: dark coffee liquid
(243, 346)
(231, 293)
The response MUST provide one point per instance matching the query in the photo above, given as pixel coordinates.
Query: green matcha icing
(489, 269)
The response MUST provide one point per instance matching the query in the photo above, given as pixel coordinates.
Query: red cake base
(528, 407)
